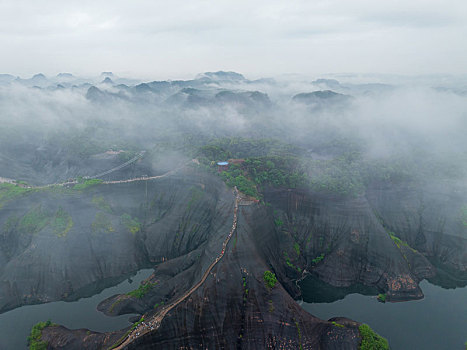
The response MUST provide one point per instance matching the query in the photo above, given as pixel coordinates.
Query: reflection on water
(16, 324)
(439, 321)
(447, 277)
(316, 291)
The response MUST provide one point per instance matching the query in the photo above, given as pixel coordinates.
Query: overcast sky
(177, 39)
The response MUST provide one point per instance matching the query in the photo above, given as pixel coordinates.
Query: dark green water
(437, 322)
(16, 324)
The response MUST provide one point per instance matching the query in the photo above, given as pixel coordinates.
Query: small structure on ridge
(222, 166)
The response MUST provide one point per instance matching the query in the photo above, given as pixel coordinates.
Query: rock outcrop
(178, 224)
(234, 309)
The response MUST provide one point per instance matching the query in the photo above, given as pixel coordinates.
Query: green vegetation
(10, 191)
(337, 324)
(299, 334)
(318, 259)
(270, 279)
(87, 184)
(158, 304)
(61, 223)
(214, 152)
(122, 339)
(102, 204)
(37, 219)
(34, 220)
(382, 297)
(34, 339)
(285, 171)
(271, 306)
(132, 224)
(296, 246)
(102, 224)
(289, 263)
(238, 147)
(267, 162)
(114, 304)
(278, 222)
(371, 340)
(400, 242)
(235, 177)
(273, 163)
(142, 290)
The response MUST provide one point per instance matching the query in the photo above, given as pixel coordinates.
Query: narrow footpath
(155, 321)
(135, 179)
(143, 178)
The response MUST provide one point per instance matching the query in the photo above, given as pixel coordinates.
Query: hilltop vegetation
(10, 191)
(371, 340)
(34, 339)
(267, 162)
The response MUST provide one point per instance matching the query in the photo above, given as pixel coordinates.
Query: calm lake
(437, 322)
(16, 324)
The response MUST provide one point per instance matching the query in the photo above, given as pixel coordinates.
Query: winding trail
(155, 321)
(144, 178)
(135, 179)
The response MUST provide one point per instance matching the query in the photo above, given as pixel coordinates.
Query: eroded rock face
(107, 237)
(427, 219)
(62, 338)
(234, 308)
(183, 221)
(343, 242)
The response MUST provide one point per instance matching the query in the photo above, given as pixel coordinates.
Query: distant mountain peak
(64, 75)
(222, 75)
(321, 98)
(107, 74)
(107, 80)
(39, 76)
(95, 94)
(332, 83)
(6, 78)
